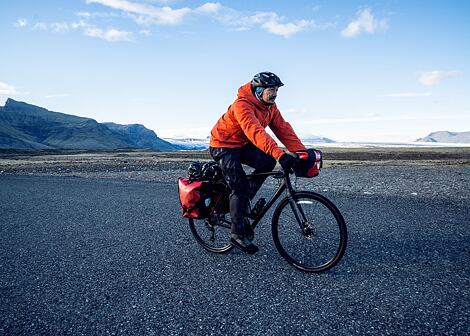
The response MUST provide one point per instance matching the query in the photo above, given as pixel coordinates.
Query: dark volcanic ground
(107, 253)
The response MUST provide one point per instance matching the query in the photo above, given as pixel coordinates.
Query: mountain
(141, 137)
(447, 137)
(26, 126)
(314, 139)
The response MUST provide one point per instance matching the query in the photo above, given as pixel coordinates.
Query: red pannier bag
(194, 197)
(310, 163)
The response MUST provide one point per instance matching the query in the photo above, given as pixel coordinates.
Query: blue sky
(354, 70)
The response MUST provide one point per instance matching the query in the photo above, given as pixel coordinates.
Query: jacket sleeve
(254, 131)
(285, 133)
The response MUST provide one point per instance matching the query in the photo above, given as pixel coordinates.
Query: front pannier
(309, 164)
(195, 197)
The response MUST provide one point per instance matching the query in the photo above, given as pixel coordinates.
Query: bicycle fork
(306, 228)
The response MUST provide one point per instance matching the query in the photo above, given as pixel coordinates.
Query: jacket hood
(245, 93)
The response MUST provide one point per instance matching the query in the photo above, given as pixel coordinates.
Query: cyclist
(239, 137)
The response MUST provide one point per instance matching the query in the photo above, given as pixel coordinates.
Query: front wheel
(309, 232)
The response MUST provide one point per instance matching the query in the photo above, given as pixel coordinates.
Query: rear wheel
(319, 241)
(213, 233)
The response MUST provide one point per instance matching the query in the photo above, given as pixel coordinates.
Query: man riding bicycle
(239, 137)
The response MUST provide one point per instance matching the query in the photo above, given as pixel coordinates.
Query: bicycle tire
(216, 241)
(324, 222)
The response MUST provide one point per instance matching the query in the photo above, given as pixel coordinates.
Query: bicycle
(308, 230)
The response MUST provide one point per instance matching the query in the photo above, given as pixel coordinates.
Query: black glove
(287, 161)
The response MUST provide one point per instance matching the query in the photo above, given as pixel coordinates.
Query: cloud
(88, 29)
(268, 21)
(80, 25)
(242, 23)
(146, 14)
(59, 27)
(88, 15)
(234, 19)
(6, 89)
(408, 94)
(55, 27)
(365, 22)
(435, 77)
(210, 7)
(286, 29)
(111, 35)
(20, 23)
(225, 16)
(40, 26)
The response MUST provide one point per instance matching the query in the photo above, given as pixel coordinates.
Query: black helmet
(266, 79)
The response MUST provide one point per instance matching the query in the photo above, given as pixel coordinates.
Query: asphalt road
(97, 257)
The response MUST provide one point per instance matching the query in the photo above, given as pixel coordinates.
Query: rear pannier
(195, 197)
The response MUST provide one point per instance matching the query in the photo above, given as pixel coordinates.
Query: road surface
(101, 256)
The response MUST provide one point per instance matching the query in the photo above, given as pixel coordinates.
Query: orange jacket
(245, 121)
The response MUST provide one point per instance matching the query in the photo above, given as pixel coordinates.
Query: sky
(382, 71)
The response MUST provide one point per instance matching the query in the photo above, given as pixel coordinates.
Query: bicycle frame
(285, 185)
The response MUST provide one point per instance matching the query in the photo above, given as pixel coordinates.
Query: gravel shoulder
(441, 173)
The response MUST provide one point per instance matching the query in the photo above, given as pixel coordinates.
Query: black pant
(243, 189)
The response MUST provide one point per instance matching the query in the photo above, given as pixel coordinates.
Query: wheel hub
(310, 231)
